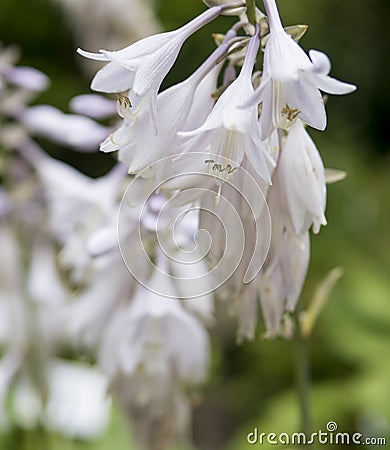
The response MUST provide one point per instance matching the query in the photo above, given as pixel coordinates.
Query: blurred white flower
(152, 350)
(158, 335)
(26, 77)
(78, 404)
(93, 105)
(97, 22)
(74, 130)
(79, 207)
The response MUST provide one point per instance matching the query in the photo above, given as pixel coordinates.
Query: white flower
(281, 279)
(93, 105)
(230, 131)
(79, 207)
(155, 335)
(143, 65)
(77, 404)
(27, 78)
(79, 132)
(91, 310)
(138, 145)
(302, 180)
(291, 82)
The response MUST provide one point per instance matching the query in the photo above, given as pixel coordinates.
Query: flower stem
(251, 11)
(303, 375)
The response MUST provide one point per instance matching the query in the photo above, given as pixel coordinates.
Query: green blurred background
(252, 385)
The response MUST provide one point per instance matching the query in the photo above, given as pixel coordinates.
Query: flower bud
(227, 12)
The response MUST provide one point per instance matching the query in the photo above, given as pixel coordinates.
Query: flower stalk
(303, 376)
(251, 11)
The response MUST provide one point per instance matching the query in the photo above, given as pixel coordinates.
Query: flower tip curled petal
(321, 61)
(323, 81)
(90, 55)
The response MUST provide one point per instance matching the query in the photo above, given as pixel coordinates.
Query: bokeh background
(252, 385)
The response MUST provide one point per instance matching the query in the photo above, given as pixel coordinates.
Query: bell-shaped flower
(291, 81)
(143, 65)
(302, 180)
(230, 131)
(138, 145)
(281, 279)
(155, 335)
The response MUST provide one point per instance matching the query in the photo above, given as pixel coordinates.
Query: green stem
(251, 11)
(303, 375)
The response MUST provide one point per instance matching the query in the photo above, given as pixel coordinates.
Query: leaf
(321, 296)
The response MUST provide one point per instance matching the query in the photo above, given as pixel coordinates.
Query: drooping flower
(303, 180)
(291, 81)
(230, 131)
(143, 65)
(138, 145)
(152, 350)
(281, 279)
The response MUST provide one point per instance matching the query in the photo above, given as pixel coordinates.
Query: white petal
(255, 151)
(306, 97)
(28, 78)
(333, 86)
(96, 56)
(272, 300)
(113, 78)
(321, 61)
(93, 105)
(285, 58)
(295, 264)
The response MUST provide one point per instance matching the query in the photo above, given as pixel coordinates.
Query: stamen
(290, 113)
(124, 106)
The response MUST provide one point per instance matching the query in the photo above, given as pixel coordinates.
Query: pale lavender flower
(281, 279)
(143, 65)
(93, 105)
(74, 130)
(302, 180)
(291, 81)
(230, 131)
(138, 145)
(26, 77)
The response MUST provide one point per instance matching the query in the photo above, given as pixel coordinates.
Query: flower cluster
(256, 119)
(225, 184)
